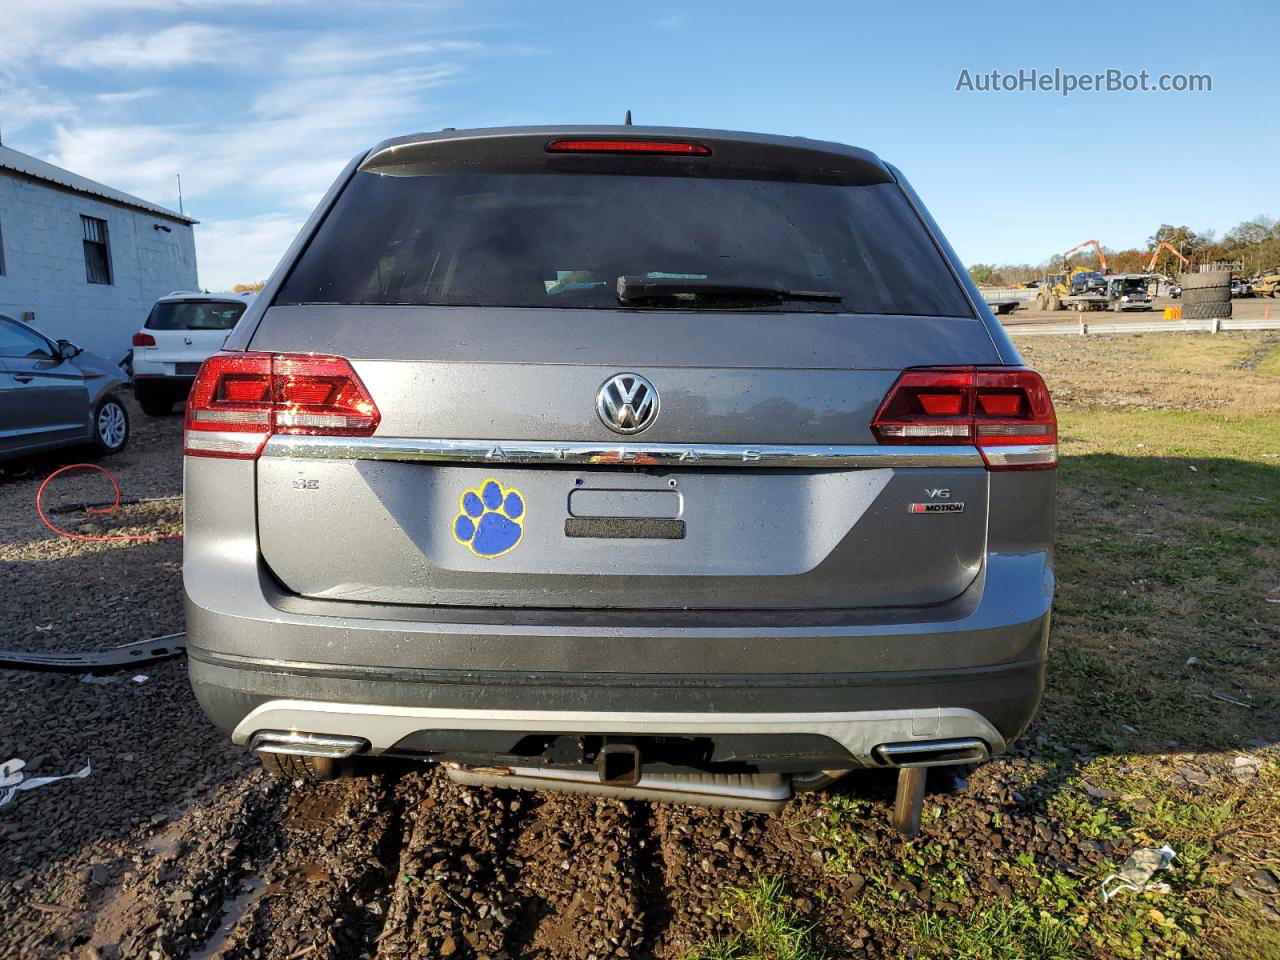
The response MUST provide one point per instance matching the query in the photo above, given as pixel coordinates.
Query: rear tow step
(759, 792)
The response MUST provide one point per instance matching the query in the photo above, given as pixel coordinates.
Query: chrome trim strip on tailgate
(521, 452)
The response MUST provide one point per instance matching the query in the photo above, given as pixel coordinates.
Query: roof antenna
(627, 122)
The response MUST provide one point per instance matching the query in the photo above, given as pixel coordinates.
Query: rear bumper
(359, 670)
(859, 712)
(162, 383)
(261, 658)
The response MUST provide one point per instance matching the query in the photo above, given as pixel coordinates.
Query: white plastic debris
(1136, 873)
(140, 678)
(13, 778)
(1244, 767)
(1232, 700)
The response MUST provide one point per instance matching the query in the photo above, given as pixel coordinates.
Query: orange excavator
(1102, 257)
(1056, 287)
(1155, 255)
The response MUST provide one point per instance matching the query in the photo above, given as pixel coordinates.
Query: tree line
(1255, 243)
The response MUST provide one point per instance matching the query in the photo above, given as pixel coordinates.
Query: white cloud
(257, 141)
(282, 155)
(243, 251)
(25, 105)
(37, 25)
(333, 52)
(126, 96)
(177, 46)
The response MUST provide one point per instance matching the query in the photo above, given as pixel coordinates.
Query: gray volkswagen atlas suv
(655, 462)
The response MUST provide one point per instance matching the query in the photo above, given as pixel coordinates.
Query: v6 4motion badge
(937, 506)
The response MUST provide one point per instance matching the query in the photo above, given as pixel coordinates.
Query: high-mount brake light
(1005, 412)
(669, 147)
(143, 339)
(239, 400)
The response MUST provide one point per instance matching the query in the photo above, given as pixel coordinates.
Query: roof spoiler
(731, 155)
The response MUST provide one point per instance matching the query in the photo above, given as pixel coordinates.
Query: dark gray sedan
(54, 394)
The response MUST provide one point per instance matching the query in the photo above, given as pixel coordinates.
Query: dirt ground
(177, 845)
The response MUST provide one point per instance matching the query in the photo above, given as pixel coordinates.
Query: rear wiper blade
(645, 288)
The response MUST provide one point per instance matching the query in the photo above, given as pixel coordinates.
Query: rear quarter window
(562, 240)
(195, 315)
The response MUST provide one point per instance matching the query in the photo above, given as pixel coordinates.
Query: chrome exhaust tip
(330, 745)
(931, 753)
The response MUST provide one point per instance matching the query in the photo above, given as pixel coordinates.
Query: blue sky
(259, 103)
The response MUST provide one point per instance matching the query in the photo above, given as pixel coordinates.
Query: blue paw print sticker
(490, 520)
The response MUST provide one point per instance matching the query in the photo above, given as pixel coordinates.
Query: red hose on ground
(110, 538)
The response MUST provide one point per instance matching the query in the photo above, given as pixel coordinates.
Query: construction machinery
(1268, 284)
(1102, 257)
(1155, 255)
(1059, 287)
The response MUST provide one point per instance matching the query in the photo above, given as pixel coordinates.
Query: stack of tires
(1206, 296)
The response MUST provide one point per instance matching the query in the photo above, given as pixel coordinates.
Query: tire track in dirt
(453, 893)
(327, 890)
(583, 886)
(703, 852)
(175, 900)
(656, 906)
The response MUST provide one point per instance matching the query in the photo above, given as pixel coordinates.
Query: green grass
(841, 833)
(1002, 931)
(1157, 563)
(770, 928)
(1169, 433)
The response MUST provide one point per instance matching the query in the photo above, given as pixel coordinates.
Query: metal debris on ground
(142, 651)
(1232, 700)
(1137, 871)
(13, 778)
(110, 507)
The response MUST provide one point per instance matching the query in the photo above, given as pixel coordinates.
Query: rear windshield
(562, 240)
(195, 315)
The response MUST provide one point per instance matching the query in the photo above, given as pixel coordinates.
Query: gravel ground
(177, 845)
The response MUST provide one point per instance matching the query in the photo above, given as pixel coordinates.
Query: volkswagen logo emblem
(627, 403)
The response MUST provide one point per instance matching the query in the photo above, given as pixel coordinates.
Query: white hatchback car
(182, 330)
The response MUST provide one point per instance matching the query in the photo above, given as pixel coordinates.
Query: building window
(97, 254)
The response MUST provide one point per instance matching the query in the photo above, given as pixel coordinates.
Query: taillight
(671, 147)
(143, 339)
(239, 400)
(1004, 411)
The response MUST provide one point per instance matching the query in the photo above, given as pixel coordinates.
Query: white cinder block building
(84, 262)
